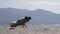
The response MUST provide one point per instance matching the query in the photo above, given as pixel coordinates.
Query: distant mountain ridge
(39, 16)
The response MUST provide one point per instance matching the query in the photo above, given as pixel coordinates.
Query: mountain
(39, 16)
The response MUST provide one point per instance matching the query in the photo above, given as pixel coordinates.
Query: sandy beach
(30, 30)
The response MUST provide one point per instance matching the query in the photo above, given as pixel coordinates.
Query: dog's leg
(12, 28)
(24, 25)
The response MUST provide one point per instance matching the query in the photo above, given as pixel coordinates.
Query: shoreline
(30, 30)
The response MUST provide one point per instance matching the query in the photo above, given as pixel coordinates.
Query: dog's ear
(29, 17)
(26, 17)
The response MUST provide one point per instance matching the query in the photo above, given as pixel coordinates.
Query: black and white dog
(20, 22)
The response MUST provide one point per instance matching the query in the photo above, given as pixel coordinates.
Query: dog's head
(28, 17)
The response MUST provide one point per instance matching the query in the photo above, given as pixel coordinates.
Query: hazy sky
(50, 5)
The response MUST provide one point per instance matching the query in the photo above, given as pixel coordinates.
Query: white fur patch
(14, 22)
(23, 17)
